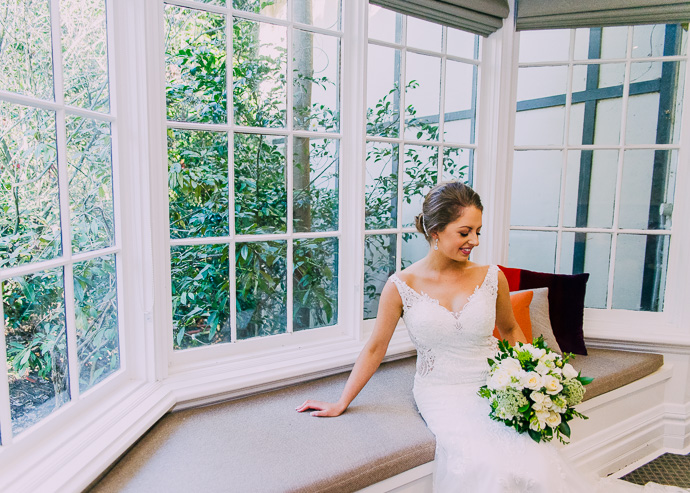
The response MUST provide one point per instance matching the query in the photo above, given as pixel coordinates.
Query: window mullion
(5, 413)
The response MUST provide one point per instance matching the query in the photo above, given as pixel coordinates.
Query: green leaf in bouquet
(564, 428)
(538, 342)
(524, 408)
(585, 380)
(535, 435)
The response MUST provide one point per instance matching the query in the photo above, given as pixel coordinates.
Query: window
(596, 151)
(254, 190)
(420, 129)
(59, 241)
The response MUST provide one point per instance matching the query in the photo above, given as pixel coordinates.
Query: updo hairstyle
(443, 205)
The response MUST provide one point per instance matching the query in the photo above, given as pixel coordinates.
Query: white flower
(535, 425)
(511, 366)
(536, 352)
(542, 416)
(537, 397)
(541, 368)
(552, 385)
(569, 371)
(553, 420)
(532, 380)
(499, 380)
(550, 356)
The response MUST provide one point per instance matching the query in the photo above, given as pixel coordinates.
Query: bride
(450, 306)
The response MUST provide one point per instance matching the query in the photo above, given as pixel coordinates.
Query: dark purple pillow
(566, 303)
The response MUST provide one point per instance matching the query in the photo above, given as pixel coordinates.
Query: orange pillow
(521, 301)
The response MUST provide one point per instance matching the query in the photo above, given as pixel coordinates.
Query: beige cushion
(539, 316)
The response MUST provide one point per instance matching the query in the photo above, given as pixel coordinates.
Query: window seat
(261, 444)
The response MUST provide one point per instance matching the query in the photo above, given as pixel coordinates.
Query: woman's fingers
(309, 404)
(319, 408)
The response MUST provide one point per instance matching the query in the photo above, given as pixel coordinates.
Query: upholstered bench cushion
(261, 444)
(613, 369)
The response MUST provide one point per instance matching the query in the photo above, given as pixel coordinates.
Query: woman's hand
(324, 409)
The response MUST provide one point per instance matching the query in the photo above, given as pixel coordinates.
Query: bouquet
(533, 389)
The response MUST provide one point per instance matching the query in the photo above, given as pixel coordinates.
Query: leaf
(535, 435)
(564, 428)
(585, 380)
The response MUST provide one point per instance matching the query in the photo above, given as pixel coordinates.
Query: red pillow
(566, 303)
(520, 302)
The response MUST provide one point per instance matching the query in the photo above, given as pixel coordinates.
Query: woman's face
(458, 238)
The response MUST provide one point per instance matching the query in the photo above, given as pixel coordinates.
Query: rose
(541, 417)
(535, 351)
(541, 368)
(553, 420)
(499, 380)
(552, 385)
(511, 366)
(532, 380)
(569, 371)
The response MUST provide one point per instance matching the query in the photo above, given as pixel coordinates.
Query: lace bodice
(452, 347)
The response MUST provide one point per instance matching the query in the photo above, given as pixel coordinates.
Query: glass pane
(381, 187)
(421, 174)
(316, 69)
(457, 163)
(36, 346)
(260, 184)
(540, 114)
(90, 171)
(536, 188)
(639, 281)
(259, 70)
(422, 97)
(542, 82)
(590, 189)
(261, 288)
(581, 48)
(273, 8)
(385, 24)
(383, 91)
(214, 2)
(200, 291)
(197, 183)
(588, 252)
(540, 126)
(414, 248)
(85, 54)
(315, 283)
(379, 264)
(463, 44)
(315, 178)
(196, 89)
(648, 40)
(614, 42)
(423, 34)
(460, 101)
(656, 88)
(647, 189)
(320, 13)
(29, 196)
(26, 64)
(95, 298)
(533, 250)
(542, 46)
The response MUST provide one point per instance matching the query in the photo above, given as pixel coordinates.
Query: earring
(436, 244)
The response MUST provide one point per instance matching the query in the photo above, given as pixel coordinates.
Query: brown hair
(444, 204)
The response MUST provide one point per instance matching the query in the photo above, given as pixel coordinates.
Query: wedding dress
(474, 453)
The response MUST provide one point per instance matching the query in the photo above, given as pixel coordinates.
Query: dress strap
(407, 294)
(491, 281)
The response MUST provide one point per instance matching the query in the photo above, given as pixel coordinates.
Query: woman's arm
(390, 309)
(505, 319)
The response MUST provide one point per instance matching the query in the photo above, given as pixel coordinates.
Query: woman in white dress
(450, 306)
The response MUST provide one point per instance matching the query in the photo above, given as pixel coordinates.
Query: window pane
(95, 297)
(422, 97)
(261, 289)
(543, 46)
(316, 69)
(260, 184)
(274, 8)
(614, 41)
(85, 54)
(639, 281)
(540, 126)
(383, 91)
(423, 34)
(457, 164)
(29, 196)
(200, 288)
(647, 189)
(588, 252)
(536, 188)
(421, 174)
(461, 43)
(315, 179)
(315, 283)
(460, 80)
(198, 183)
(385, 24)
(379, 264)
(320, 13)
(533, 250)
(590, 189)
(259, 73)
(414, 248)
(648, 40)
(26, 64)
(195, 65)
(90, 171)
(381, 188)
(36, 346)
